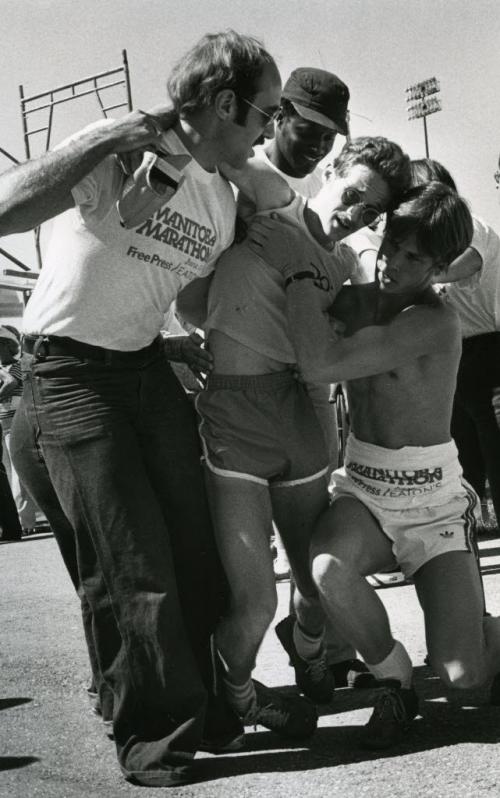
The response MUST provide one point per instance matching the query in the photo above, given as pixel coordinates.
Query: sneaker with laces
(294, 717)
(313, 677)
(394, 709)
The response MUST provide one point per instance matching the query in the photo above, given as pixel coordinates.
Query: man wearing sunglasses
(117, 434)
(264, 448)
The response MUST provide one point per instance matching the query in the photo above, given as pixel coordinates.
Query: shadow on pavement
(7, 703)
(13, 762)
(448, 718)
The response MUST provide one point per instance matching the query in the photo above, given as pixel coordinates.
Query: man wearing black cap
(313, 110)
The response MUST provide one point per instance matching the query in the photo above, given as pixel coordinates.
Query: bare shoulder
(434, 320)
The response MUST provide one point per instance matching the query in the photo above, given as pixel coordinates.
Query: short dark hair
(439, 218)
(226, 60)
(383, 156)
(423, 170)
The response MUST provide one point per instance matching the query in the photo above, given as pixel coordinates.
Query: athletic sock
(308, 646)
(240, 696)
(397, 665)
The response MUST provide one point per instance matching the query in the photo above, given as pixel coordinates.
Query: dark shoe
(394, 709)
(313, 678)
(295, 717)
(495, 691)
(167, 776)
(352, 673)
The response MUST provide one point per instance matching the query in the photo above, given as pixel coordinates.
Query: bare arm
(191, 302)
(37, 190)
(325, 357)
(467, 264)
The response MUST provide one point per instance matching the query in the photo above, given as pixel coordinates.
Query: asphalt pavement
(52, 746)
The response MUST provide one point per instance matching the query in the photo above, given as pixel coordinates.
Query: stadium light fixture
(420, 103)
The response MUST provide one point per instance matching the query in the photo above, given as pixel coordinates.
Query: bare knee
(329, 572)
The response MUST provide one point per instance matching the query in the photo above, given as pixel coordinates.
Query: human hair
(423, 170)
(383, 156)
(439, 218)
(226, 60)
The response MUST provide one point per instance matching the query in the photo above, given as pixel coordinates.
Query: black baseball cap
(319, 96)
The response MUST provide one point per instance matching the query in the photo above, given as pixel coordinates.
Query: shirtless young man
(264, 449)
(400, 497)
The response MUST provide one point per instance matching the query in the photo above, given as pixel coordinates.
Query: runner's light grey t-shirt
(110, 286)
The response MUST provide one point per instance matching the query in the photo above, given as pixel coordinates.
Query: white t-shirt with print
(110, 286)
(477, 298)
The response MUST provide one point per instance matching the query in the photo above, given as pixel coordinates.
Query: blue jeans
(120, 446)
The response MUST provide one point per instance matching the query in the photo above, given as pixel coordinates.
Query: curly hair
(383, 156)
(226, 60)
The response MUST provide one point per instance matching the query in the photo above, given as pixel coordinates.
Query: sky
(378, 47)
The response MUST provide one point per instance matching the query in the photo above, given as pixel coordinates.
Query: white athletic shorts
(416, 493)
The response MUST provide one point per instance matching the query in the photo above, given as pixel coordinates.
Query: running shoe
(313, 677)
(394, 709)
(294, 717)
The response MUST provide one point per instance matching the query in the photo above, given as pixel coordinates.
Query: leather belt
(42, 346)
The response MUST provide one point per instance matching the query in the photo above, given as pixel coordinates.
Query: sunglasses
(369, 214)
(271, 117)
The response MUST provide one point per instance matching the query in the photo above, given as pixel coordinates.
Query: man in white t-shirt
(115, 428)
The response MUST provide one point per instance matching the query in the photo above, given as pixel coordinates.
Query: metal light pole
(424, 104)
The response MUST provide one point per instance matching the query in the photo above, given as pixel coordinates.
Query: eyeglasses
(272, 117)
(369, 214)
(496, 178)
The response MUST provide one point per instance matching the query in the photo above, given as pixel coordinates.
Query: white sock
(240, 696)
(308, 646)
(397, 665)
